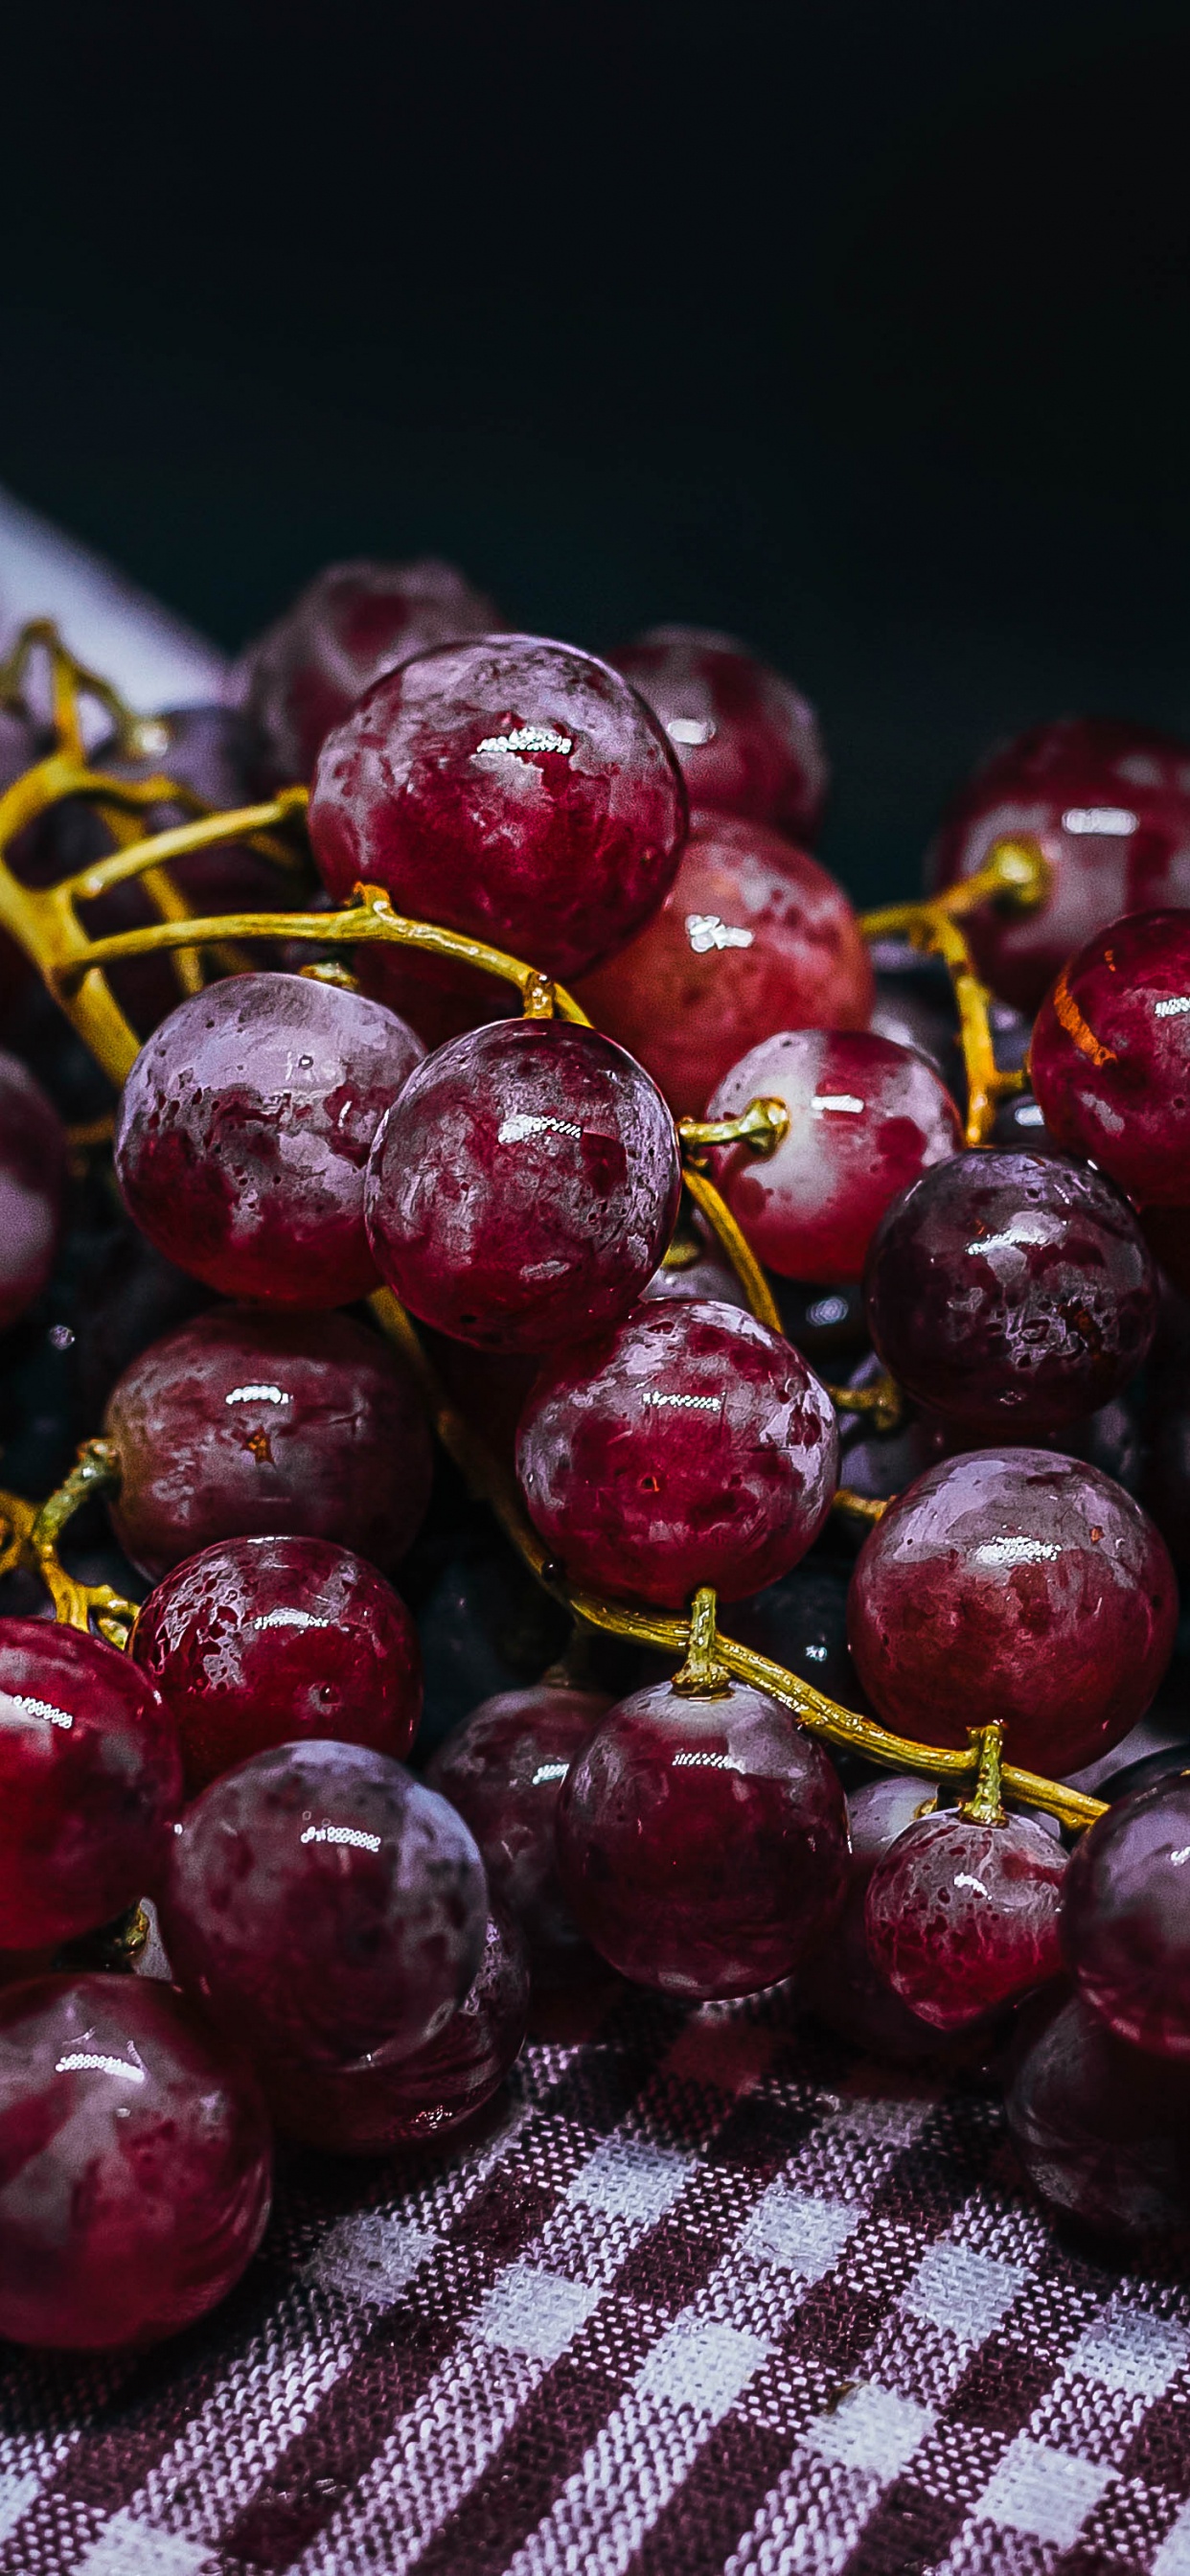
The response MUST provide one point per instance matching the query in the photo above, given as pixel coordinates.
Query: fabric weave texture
(711, 2296)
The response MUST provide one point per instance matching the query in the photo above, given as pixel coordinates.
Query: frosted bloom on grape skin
(690, 1445)
(524, 1187)
(325, 1906)
(961, 1917)
(244, 1131)
(508, 787)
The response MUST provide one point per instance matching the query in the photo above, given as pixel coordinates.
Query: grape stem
(97, 1471)
(882, 1400)
(703, 1674)
(761, 1125)
(1016, 875)
(857, 1507)
(985, 1806)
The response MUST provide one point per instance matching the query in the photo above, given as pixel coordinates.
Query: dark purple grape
(1011, 1292)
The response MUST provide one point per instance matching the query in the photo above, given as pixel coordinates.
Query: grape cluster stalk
(587, 1079)
(77, 965)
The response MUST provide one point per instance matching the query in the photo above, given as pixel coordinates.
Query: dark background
(861, 329)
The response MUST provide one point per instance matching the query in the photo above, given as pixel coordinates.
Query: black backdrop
(859, 328)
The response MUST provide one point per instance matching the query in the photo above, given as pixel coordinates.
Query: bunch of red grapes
(349, 1946)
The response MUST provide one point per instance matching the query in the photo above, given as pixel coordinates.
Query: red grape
(865, 1119)
(263, 1641)
(1109, 804)
(1015, 1585)
(1126, 1917)
(511, 788)
(90, 1782)
(691, 1445)
(702, 1842)
(369, 2110)
(504, 1771)
(32, 1181)
(242, 1424)
(135, 2163)
(353, 622)
(244, 1133)
(1102, 2131)
(524, 1186)
(1010, 1292)
(840, 1983)
(1111, 1054)
(325, 1908)
(747, 740)
(754, 936)
(961, 1917)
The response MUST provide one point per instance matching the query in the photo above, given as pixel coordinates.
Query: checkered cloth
(712, 2297)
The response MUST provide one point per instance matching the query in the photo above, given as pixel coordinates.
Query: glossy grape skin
(524, 1186)
(960, 1917)
(840, 1983)
(90, 1783)
(1126, 1917)
(702, 1842)
(753, 937)
(1045, 1324)
(324, 1907)
(135, 2163)
(747, 740)
(243, 1424)
(244, 1132)
(264, 1641)
(352, 623)
(1102, 2130)
(1111, 1055)
(866, 1118)
(1080, 767)
(511, 788)
(1014, 1585)
(691, 1445)
(504, 1771)
(369, 2110)
(32, 1183)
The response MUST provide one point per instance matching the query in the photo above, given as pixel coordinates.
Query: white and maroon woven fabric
(712, 2298)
